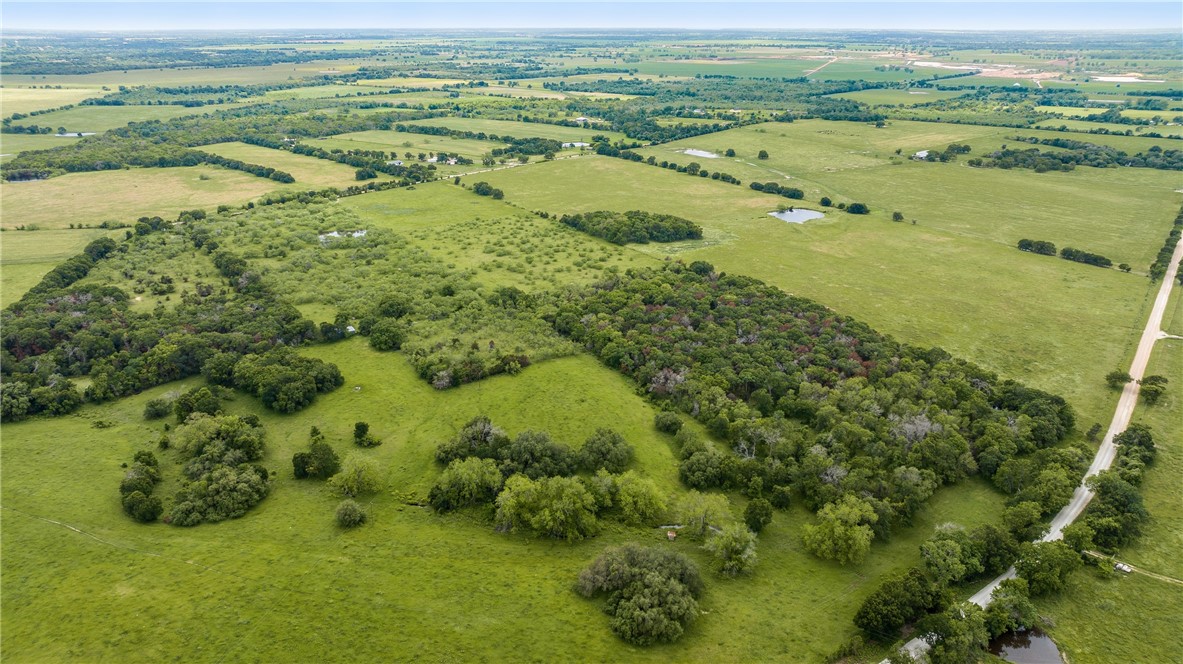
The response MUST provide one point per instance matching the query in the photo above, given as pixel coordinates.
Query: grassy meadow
(27, 99)
(97, 119)
(894, 97)
(520, 129)
(25, 257)
(12, 144)
(125, 195)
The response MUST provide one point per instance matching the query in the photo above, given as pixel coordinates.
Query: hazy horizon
(1049, 16)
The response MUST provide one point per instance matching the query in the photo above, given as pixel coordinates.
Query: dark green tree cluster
(809, 399)
(486, 189)
(284, 380)
(693, 168)
(221, 477)
(1104, 156)
(137, 486)
(775, 188)
(652, 592)
(635, 226)
(948, 154)
(1161, 260)
(1042, 247)
(1070, 254)
(319, 462)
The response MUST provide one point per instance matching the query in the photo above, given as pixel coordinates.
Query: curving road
(1105, 455)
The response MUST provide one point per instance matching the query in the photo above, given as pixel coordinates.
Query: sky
(540, 14)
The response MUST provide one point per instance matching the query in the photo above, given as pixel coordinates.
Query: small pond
(1026, 647)
(797, 215)
(701, 153)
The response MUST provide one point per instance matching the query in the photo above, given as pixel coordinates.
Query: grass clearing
(126, 195)
(1134, 130)
(25, 257)
(520, 129)
(895, 97)
(97, 119)
(13, 144)
(27, 99)
(308, 171)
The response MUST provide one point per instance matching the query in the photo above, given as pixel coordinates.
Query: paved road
(1105, 455)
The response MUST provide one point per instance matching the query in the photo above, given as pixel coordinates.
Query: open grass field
(308, 171)
(277, 73)
(1080, 111)
(1096, 616)
(922, 283)
(25, 256)
(26, 99)
(284, 579)
(410, 82)
(790, 67)
(97, 119)
(520, 129)
(126, 195)
(899, 97)
(13, 144)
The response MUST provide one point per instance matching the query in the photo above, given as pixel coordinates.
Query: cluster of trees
(774, 188)
(636, 226)
(1163, 259)
(528, 146)
(486, 189)
(137, 486)
(1102, 156)
(948, 154)
(651, 592)
(809, 399)
(221, 477)
(1117, 512)
(1038, 247)
(284, 380)
(1070, 254)
(367, 161)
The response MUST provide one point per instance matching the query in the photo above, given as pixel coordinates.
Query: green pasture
(403, 142)
(308, 171)
(26, 99)
(1080, 111)
(1094, 615)
(13, 144)
(25, 256)
(1102, 87)
(277, 73)
(125, 195)
(520, 129)
(743, 67)
(897, 97)
(934, 283)
(98, 119)
(284, 582)
(866, 70)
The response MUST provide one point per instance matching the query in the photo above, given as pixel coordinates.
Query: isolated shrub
(826, 202)
(142, 507)
(350, 514)
(763, 154)
(362, 436)
(857, 208)
(605, 449)
(757, 514)
(1118, 378)
(358, 476)
(157, 408)
(319, 462)
(667, 422)
(734, 549)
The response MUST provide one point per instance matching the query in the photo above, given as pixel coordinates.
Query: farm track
(1107, 452)
(1137, 570)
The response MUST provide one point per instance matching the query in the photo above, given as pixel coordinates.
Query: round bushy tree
(350, 514)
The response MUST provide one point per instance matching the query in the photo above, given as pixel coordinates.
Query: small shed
(921, 156)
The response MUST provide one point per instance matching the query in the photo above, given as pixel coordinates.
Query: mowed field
(97, 119)
(1055, 324)
(285, 580)
(25, 257)
(899, 97)
(308, 171)
(125, 195)
(403, 142)
(26, 99)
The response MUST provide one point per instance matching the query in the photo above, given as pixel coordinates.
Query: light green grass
(519, 129)
(25, 256)
(394, 141)
(125, 195)
(26, 99)
(308, 171)
(98, 119)
(789, 67)
(13, 144)
(278, 73)
(930, 284)
(455, 588)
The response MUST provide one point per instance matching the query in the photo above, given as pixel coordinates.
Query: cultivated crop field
(391, 408)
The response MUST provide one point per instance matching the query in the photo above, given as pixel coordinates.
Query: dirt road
(1105, 455)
